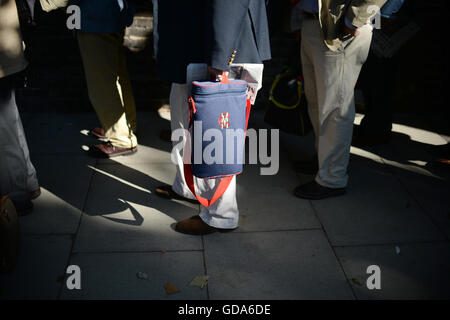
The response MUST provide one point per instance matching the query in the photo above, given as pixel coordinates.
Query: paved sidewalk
(102, 215)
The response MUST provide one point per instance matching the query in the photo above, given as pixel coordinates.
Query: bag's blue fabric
(220, 117)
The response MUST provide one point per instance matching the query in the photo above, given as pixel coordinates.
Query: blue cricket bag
(224, 108)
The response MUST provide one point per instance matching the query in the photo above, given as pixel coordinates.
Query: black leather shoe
(315, 191)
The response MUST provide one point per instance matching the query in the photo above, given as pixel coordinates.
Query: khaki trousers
(109, 86)
(330, 79)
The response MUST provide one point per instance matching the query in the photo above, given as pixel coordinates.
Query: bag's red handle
(224, 183)
(225, 78)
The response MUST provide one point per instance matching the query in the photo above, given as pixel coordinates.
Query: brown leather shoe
(35, 194)
(167, 192)
(197, 227)
(99, 133)
(107, 150)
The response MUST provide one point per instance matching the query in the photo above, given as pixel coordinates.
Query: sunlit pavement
(103, 216)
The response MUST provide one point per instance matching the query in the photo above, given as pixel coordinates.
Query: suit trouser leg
(102, 54)
(334, 75)
(224, 212)
(17, 173)
(378, 77)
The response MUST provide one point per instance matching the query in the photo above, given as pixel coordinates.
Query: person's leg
(223, 213)
(336, 74)
(126, 91)
(17, 172)
(309, 166)
(100, 54)
(179, 113)
(32, 181)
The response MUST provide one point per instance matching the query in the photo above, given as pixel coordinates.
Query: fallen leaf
(356, 281)
(142, 275)
(200, 281)
(170, 288)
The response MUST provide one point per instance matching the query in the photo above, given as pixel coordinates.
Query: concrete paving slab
(432, 195)
(114, 276)
(274, 265)
(376, 209)
(51, 215)
(267, 203)
(41, 265)
(411, 271)
(143, 155)
(44, 132)
(412, 150)
(151, 148)
(54, 133)
(123, 214)
(65, 183)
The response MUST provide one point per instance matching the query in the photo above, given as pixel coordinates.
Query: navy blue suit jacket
(208, 31)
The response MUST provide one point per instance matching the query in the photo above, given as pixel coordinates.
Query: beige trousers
(330, 79)
(109, 86)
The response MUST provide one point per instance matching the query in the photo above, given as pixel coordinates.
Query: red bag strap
(225, 77)
(224, 183)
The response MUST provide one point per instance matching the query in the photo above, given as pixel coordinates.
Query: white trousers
(224, 212)
(330, 79)
(17, 173)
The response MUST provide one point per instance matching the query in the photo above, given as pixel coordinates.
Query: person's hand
(215, 74)
(352, 32)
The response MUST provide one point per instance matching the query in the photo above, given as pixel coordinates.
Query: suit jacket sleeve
(360, 11)
(224, 25)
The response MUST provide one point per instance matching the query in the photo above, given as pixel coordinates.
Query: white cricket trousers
(224, 212)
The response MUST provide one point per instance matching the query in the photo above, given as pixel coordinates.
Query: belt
(311, 15)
